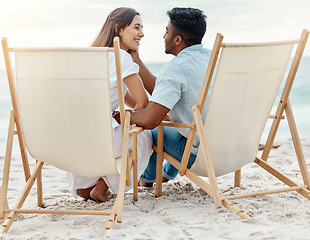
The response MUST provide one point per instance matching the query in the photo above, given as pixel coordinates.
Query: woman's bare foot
(85, 193)
(100, 192)
(144, 184)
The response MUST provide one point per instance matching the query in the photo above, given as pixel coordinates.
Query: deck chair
(62, 114)
(247, 80)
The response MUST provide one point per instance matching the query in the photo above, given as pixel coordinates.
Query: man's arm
(147, 77)
(150, 116)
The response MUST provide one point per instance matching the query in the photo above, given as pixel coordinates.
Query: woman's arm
(136, 98)
(129, 100)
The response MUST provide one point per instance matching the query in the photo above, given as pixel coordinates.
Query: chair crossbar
(259, 193)
(55, 211)
(261, 44)
(61, 49)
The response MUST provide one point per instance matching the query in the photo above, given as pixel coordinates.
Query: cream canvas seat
(246, 82)
(62, 114)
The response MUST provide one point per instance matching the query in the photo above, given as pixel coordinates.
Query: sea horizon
(299, 98)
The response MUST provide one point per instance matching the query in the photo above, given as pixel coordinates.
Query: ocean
(299, 97)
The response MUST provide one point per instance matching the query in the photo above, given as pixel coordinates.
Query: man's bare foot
(100, 192)
(144, 184)
(85, 193)
(262, 146)
(165, 179)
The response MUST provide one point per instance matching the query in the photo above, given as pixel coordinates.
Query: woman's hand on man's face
(135, 55)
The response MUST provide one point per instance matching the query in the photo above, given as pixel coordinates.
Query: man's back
(178, 86)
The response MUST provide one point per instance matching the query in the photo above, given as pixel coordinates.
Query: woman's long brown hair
(117, 20)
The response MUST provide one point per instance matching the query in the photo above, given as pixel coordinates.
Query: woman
(127, 25)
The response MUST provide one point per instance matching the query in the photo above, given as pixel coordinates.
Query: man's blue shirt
(179, 83)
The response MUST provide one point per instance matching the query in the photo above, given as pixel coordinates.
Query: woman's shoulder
(125, 56)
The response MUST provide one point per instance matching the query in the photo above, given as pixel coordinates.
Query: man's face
(168, 37)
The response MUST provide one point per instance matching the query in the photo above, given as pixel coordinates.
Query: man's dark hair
(189, 23)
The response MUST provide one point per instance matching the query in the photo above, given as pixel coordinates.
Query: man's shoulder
(186, 61)
(192, 52)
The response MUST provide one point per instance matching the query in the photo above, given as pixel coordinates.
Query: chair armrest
(175, 124)
(273, 116)
(136, 130)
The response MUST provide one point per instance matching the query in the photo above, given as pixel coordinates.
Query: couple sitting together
(174, 91)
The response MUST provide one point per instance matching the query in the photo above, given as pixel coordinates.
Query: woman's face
(131, 35)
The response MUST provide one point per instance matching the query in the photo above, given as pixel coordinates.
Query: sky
(77, 22)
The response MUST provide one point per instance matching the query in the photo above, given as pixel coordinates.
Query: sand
(183, 212)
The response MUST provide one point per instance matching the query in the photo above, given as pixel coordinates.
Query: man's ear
(178, 40)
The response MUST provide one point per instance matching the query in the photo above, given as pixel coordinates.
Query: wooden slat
(136, 130)
(128, 170)
(119, 81)
(175, 124)
(61, 49)
(233, 208)
(297, 144)
(57, 211)
(121, 191)
(210, 70)
(260, 193)
(135, 166)
(304, 192)
(207, 157)
(12, 87)
(261, 44)
(7, 165)
(39, 189)
(237, 178)
(8, 222)
(159, 160)
(273, 116)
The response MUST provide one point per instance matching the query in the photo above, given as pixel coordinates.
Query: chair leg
(297, 144)
(112, 216)
(135, 167)
(128, 170)
(207, 157)
(233, 208)
(160, 156)
(39, 188)
(6, 168)
(121, 191)
(10, 219)
(237, 178)
(4, 205)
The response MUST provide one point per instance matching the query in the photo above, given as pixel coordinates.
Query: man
(176, 89)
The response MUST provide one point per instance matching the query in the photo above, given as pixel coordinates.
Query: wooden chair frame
(197, 126)
(129, 160)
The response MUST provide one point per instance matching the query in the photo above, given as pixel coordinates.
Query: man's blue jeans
(174, 144)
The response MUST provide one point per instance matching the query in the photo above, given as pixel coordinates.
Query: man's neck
(180, 49)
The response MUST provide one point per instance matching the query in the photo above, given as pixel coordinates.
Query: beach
(183, 212)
